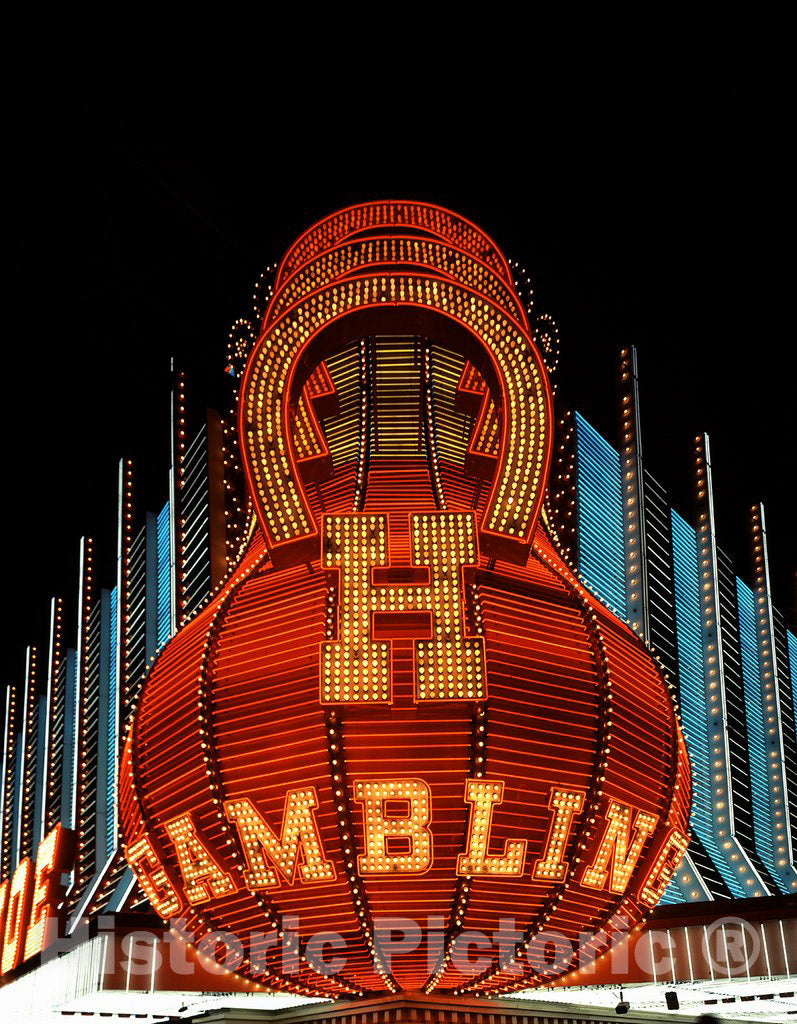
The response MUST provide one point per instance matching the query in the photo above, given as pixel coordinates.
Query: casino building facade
(378, 400)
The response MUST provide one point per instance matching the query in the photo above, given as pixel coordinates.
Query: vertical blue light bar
(164, 583)
(19, 782)
(689, 628)
(601, 542)
(41, 771)
(791, 644)
(756, 739)
(104, 725)
(69, 772)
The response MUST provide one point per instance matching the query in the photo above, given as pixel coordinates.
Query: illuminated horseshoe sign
(417, 303)
(402, 702)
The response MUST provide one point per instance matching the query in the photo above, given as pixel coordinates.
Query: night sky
(137, 230)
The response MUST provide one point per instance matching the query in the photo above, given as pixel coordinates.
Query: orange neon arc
(402, 698)
(418, 290)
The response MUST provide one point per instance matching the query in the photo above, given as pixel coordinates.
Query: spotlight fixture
(623, 1006)
(671, 998)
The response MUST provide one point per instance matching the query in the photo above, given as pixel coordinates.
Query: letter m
(299, 843)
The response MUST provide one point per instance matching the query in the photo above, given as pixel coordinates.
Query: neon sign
(29, 900)
(449, 665)
(297, 855)
(402, 699)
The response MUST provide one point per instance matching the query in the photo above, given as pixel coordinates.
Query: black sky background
(136, 228)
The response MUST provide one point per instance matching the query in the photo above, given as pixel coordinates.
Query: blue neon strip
(791, 645)
(756, 737)
(164, 582)
(19, 785)
(601, 547)
(68, 771)
(693, 697)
